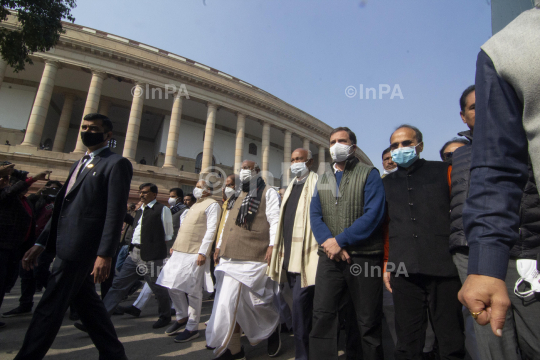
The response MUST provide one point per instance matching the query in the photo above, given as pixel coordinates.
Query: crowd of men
(435, 249)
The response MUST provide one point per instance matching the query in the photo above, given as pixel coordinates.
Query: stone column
(174, 132)
(287, 151)
(305, 144)
(34, 130)
(322, 150)
(134, 123)
(63, 124)
(3, 67)
(92, 102)
(265, 148)
(208, 147)
(239, 152)
(104, 106)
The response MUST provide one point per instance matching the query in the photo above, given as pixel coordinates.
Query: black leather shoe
(162, 322)
(81, 327)
(132, 310)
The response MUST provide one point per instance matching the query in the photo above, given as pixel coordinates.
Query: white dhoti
(181, 275)
(245, 296)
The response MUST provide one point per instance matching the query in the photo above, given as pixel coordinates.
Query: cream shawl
(304, 258)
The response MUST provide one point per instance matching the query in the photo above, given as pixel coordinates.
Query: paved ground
(137, 335)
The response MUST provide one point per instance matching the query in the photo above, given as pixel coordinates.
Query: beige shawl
(304, 258)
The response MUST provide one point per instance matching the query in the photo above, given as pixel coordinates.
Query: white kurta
(181, 271)
(245, 296)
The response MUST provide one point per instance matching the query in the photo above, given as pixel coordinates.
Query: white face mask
(386, 172)
(197, 192)
(172, 201)
(299, 169)
(246, 175)
(527, 271)
(340, 152)
(229, 192)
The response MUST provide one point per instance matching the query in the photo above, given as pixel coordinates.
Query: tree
(40, 26)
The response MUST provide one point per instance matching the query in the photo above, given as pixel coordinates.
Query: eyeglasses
(447, 155)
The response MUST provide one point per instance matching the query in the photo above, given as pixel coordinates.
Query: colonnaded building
(180, 116)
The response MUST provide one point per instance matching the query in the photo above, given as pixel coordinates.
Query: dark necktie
(76, 172)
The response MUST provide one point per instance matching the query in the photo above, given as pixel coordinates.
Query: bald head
(248, 165)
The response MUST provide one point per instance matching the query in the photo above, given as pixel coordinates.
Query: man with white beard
(184, 272)
(244, 297)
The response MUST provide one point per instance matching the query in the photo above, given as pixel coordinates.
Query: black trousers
(30, 279)
(8, 269)
(414, 296)
(70, 283)
(365, 288)
(107, 284)
(302, 314)
(347, 322)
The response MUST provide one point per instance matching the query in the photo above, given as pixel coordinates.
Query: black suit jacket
(87, 222)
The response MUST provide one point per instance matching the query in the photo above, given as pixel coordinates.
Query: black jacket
(528, 244)
(87, 222)
(153, 243)
(14, 219)
(419, 210)
(461, 175)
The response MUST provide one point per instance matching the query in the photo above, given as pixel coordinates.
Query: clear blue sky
(307, 52)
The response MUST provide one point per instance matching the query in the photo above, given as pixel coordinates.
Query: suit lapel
(90, 167)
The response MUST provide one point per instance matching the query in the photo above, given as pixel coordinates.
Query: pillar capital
(212, 105)
(54, 63)
(99, 73)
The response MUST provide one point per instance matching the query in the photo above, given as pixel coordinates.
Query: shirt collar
(301, 180)
(150, 204)
(96, 152)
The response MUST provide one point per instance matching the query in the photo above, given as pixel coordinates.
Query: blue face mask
(405, 156)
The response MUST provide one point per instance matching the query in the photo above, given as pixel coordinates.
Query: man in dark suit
(84, 231)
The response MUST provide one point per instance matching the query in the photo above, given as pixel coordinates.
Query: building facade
(180, 117)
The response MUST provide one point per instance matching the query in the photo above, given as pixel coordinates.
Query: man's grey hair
(207, 184)
(309, 154)
(256, 167)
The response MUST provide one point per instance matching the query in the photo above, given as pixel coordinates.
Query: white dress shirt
(273, 202)
(212, 223)
(166, 219)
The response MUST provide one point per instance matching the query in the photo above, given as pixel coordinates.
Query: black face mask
(92, 139)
